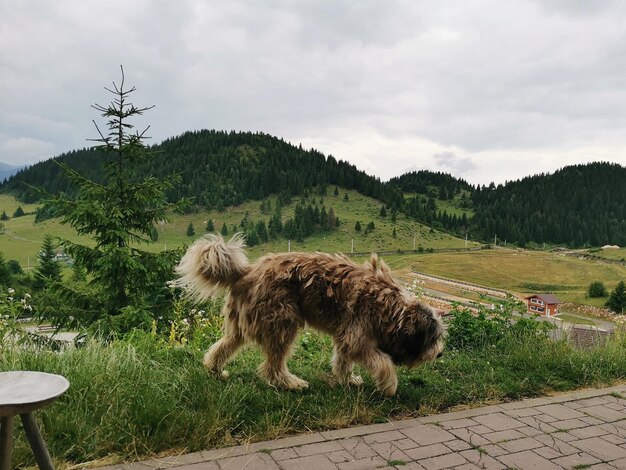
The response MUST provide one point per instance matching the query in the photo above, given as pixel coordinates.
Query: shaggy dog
(372, 319)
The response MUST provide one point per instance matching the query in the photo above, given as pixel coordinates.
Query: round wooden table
(21, 393)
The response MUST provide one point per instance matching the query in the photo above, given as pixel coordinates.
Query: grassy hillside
(520, 271)
(22, 238)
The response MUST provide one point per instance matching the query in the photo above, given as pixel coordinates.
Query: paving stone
(612, 438)
(319, 448)
(200, 466)
(357, 448)
(258, 461)
(605, 414)
(564, 436)
(480, 429)
(467, 466)
(405, 443)
(501, 436)
(544, 418)
(519, 445)
(615, 406)
(411, 466)
(573, 460)
(426, 434)
(370, 463)
(593, 401)
(339, 456)
(541, 426)
(383, 437)
(458, 423)
(562, 447)
(472, 438)
(481, 459)
(498, 421)
(589, 431)
(529, 431)
(592, 421)
(600, 448)
(458, 445)
(621, 463)
(548, 453)
(560, 412)
(424, 452)
(178, 460)
(443, 461)
(388, 451)
(527, 460)
(284, 454)
(568, 424)
(494, 450)
(603, 466)
(522, 413)
(312, 462)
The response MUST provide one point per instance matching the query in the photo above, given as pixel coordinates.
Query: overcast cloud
(486, 90)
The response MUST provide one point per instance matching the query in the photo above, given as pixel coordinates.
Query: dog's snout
(439, 355)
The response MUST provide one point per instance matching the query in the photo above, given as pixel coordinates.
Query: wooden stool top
(22, 391)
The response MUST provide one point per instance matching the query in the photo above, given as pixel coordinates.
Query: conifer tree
(118, 214)
(210, 227)
(4, 216)
(357, 226)
(191, 231)
(224, 230)
(19, 212)
(617, 299)
(49, 269)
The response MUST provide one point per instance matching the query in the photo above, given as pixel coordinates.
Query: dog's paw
(355, 380)
(294, 382)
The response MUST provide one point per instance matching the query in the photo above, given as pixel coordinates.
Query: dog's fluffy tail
(211, 264)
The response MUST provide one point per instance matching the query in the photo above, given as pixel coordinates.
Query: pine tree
(190, 230)
(345, 197)
(210, 227)
(357, 226)
(394, 234)
(19, 212)
(4, 216)
(617, 299)
(49, 269)
(224, 230)
(119, 213)
(336, 191)
(383, 211)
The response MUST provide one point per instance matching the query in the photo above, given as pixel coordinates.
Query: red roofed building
(543, 304)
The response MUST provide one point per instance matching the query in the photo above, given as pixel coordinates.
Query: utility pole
(413, 242)
(289, 246)
(495, 240)
(466, 240)
(352, 249)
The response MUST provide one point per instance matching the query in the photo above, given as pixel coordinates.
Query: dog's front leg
(342, 368)
(383, 371)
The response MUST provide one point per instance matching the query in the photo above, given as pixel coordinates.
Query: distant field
(520, 271)
(612, 254)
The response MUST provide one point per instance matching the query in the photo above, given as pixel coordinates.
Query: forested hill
(577, 205)
(218, 169)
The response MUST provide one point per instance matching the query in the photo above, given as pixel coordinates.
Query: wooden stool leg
(6, 442)
(36, 442)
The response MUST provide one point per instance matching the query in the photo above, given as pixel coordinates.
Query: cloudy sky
(486, 90)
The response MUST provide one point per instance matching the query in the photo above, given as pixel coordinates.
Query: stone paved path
(578, 430)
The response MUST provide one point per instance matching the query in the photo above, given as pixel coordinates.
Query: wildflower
(11, 291)
(27, 296)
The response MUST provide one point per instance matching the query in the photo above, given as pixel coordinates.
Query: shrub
(597, 289)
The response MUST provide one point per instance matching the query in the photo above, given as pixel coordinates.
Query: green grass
(576, 319)
(134, 399)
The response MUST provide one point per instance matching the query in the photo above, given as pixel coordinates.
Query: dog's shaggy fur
(372, 319)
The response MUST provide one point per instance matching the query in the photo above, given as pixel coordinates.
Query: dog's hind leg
(342, 367)
(277, 343)
(221, 352)
(382, 369)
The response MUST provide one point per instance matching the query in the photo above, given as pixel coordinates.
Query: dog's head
(418, 335)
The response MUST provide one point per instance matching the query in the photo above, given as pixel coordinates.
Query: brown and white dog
(372, 319)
